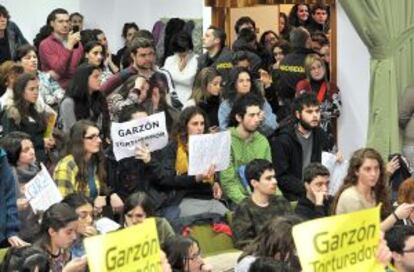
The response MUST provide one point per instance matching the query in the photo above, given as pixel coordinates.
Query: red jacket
(55, 56)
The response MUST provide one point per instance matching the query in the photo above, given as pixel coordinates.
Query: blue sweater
(9, 222)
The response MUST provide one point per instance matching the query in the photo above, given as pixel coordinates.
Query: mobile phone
(75, 28)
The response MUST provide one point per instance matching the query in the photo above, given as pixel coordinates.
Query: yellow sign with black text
(346, 242)
(132, 249)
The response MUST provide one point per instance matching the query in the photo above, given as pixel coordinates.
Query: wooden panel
(249, 3)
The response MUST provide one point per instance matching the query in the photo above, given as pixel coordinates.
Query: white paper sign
(207, 149)
(151, 131)
(337, 170)
(105, 225)
(42, 191)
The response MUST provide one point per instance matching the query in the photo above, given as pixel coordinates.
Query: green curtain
(387, 28)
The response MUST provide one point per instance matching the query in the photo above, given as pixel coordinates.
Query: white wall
(353, 81)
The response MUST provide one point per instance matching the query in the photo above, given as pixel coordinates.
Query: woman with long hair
(365, 186)
(284, 27)
(122, 58)
(274, 241)
(83, 169)
(299, 15)
(24, 115)
(57, 235)
(240, 84)
(95, 54)
(207, 95)
(84, 100)
(327, 92)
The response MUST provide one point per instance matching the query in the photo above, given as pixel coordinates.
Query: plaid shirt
(65, 177)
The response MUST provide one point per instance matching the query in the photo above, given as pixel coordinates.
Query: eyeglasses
(92, 137)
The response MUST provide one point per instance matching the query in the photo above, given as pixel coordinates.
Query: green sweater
(242, 152)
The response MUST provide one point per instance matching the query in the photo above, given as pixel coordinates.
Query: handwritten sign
(41, 191)
(127, 136)
(208, 149)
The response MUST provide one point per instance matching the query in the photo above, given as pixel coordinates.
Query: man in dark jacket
(11, 37)
(320, 19)
(294, 146)
(316, 204)
(292, 68)
(217, 54)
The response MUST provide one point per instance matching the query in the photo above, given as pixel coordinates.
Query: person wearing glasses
(83, 100)
(83, 168)
(400, 240)
(137, 208)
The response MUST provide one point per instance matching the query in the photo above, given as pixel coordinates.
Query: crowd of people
(272, 93)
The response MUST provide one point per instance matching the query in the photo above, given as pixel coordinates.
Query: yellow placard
(346, 242)
(51, 122)
(132, 249)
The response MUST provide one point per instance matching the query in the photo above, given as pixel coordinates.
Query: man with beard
(247, 144)
(295, 146)
(400, 240)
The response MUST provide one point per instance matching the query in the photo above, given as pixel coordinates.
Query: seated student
(83, 100)
(241, 84)
(297, 144)
(247, 144)
(406, 195)
(137, 208)
(8, 209)
(24, 115)
(83, 168)
(317, 202)
(27, 258)
(262, 205)
(400, 240)
(199, 194)
(365, 187)
(83, 207)
(184, 254)
(57, 235)
(207, 95)
(9, 71)
(21, 156)
(274, 241)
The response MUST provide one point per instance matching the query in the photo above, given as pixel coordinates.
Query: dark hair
(76, 200)
(179, 132)
(91, 45)
(231, 90)
(284, 45)
(177, 249)
(139, 199)
(239, 56)
(298, 37)
(140, 43)
(247, 35)
(397, 236)
(293, 15)
(255, 169)
(317, 6)
(127, 112)
(75, 147)
(96, 32)
(268, 264)
(286, 30)
(126, 27)
(243, 20)
(160, 81)
(47, 29)
(86, 103)
(86, 36)
(25, 259)
(240, 106)
(262, 40)
(320, 37)
(275, 240)
(23, 51)
(181, 42)
(57, 216)
(144, 33)
(314, 170)
(4, 12)
(25, 108)
(380, 189)
(219, 33)
(75, 14)
(203, 78)
(174, 25)
(305, 100)
(12, 144)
